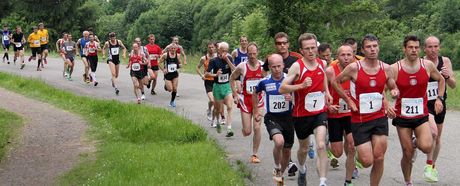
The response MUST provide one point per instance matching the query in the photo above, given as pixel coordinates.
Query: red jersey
(412, 99)
(135, 62)
(251, 79)
(343, 107)
(366, 92)
(91, 48)
(153, 53)
(311, 100)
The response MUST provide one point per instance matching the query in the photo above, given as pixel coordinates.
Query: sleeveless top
(114, 50)
(344, 110)
(171, 64)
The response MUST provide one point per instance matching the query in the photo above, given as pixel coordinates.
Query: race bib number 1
(370, 102)
(136, 67)
(411, 107)
(314, 101)
(277, 104)
(343, 106)
(250, 85)
(222, 78)
(432, 90)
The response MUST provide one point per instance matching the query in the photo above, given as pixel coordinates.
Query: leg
(434, 134)
(278, 141)
(113, 72)
(135, 86)
(379, 147)
(228, 100)
(350, 152)
(320, 137)
(405, 139)
(437, 143)
(154, 79)
(257, 133)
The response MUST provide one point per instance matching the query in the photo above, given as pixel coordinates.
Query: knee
(257, 128)
(303, 150)
(246, 132)
(279, 143)
(366, 161)
(408, 153)
(379, 157)
(320, 146)
(337, 152)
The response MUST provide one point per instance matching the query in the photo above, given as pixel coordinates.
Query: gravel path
(50, 142)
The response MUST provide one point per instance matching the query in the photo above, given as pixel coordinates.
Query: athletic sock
(277, 166)
(93, 75)
(229, 127)
(303, 169)
(38, 64)
(322, 181)
(429, 162)
(173, 96)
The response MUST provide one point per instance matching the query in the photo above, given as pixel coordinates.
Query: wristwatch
(441, 98)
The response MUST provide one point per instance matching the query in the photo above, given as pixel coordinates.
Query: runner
(444, 65)
(59, 50)
(325, 52)
(241, 54)
(251, 73)
(412, 74)
(136, 64)
(153, 53)
(113, 45)
(306, 78)
(278, 120)
(339, 116)
(208, 81)
(19, 40)
(352, 42)
(34, 44)
(369, 126)
(81, 43)
(6, 41)
(145, 68)
(44, 39)
(69, 48)
(171, 62)
(91, 48)
(220, 69)
(180, 49)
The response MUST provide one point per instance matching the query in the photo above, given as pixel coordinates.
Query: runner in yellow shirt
(34, 43)
(44, 39)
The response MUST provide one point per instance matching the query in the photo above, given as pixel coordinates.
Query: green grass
(9, 125)
(192, 61)
(453, 95)
(137, 144)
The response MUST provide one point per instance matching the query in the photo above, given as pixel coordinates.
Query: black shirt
(217, 63)
(287, 63)
(17, 37)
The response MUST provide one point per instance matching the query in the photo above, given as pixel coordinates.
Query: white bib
(43, 39)
(251, 85)
(91, 50)
(6, 38)
(222, 78)
(343, 107)
(411, 107)
(36, 42)
(370, 102)
(432, 90)
(152, 57)
(277, 103)
(314, 101)
(136, 67)
(172, 67)
(69, 48)
(18, 45)
(114, 51)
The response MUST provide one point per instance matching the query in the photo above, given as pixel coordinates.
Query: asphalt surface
(192, 104)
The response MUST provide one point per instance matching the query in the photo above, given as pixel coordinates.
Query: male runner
(69, 48)
(44, 39)
(81, 43)
(278, 120)
(352, 42)
(208, 81)
(369, 127)
(34, 44)
(306, 78)
(91, 48)
(220, 69)
(241, 54)
(18, 41)
(171, 61)
(113, 46)
(251, 73)
(339, 115)
(412, 74)
(59, 50)
(180, 49)
(325, 52)
(444, 65)
(153, 53)
(6, 42)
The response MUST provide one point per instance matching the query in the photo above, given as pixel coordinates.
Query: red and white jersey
(311, 100)
(344, 110)
(366, 92)
(250, 78)
(91, 48)
(412, 99)
(153, 53)
(135, 62)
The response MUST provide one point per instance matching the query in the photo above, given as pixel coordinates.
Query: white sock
(93, 75)
(303, 169)
(322, 180)
(229, 127)
(277, 166)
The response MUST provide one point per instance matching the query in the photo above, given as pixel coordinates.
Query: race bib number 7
(432, 90)
(277, 103)
(314, 101)
(370, 102)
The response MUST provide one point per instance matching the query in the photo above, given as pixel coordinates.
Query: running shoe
(334, 161)
(172, 104)
(96, 83)
(278, 177)
(434, 175)
(117, 91)
(229, 133)
(46, 61)
(254, 159)
(148, 85)
(357, 163)
(22, 66)
(348, 184)
(143, 97)
(222, 121)
(209, 114)
(409, 183)
(311, 151)
(152, 92)
(355, 174)
(302, 179)
(213, 124)
(428, 173)
(30, 59)
(8, 62)
(38, 69)
(138, 100)
(292, 168)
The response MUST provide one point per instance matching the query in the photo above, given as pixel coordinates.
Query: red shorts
(245, 103)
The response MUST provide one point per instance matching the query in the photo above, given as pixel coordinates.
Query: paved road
(192, 105)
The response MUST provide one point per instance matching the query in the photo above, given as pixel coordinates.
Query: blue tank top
(5, 37)
(274, 101)
(82, 44)
(242, 57)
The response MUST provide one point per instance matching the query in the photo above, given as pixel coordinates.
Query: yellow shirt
(357, 58)
(43, 36)
(34, 40)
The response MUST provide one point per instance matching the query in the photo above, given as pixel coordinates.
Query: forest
(198, 21)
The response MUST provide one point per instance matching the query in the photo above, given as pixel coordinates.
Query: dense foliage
(197, 21)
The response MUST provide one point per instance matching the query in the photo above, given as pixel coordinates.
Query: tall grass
(138, 145)
(9, 125)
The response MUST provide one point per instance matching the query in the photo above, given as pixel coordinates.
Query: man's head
(370, 46)
(276, 65)
(411, 47)
(324, 52)
(135, 46)
(345, 55)
(69, 37)
(91, 37)
(308, 46)
(432, 46)
(175, 39)
(5, 27)
(41, 26)
(244, 41)
(352, 42)
(85, 34)
(65, 35)
(112, 36)
(18, 29)
(211, 47)
(253, 52)
(222, 49)
(34, 29)
(281, 43)
(151, 39)
(138, 41)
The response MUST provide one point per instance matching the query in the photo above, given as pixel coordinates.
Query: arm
(78, 47)
(229, 62)
(286, 85)
(436, 75)
(348, 74)
(161, 63)
(183, 54)
(57, 45)
(328, 97)
(209, 71)
(198, 66)
(330, 75)
(390, 82)
(448, 73)
(106, 44)
(124, 48)
(235, 74)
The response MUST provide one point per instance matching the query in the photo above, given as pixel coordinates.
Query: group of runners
(342, 104)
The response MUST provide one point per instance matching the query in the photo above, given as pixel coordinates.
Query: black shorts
(409, 123)
(304, 126)
(137, 74)
(92, 62)
(18, 48)
(336, 127)
(71, 58)
(155, 68)
(35, 51)
(6, 46)
(172, 75)
(362, 132)
(44, 47)
(208, 84)
(438, 118)
(279, 124)
(115, 61)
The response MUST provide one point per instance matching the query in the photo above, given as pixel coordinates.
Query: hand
(127, 66)
(394, 93)
(164, 71)
(239, 88)
(444, 71)
(287, 97)
(333, 108)
(103, 57)
(219, 72)
(306, 83)
(124, 56)
(352, 105)
(203, 78)
(329, 99)
(438, 107)
(235, 98)
(390, 112)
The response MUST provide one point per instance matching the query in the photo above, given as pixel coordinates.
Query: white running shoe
(143, 97)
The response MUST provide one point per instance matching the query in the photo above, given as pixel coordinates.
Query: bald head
(345, 55)
(432, 40)
(276, 65)
(432, 45)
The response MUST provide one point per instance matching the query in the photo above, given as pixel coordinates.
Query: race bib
(91, 50)
(6, 38)
(277, 103)
(18, 45)
(69, 48)
(43, 39)
(222, 78)
(251, 85)
(370, 102)
(432, 90)
(172, 67)
(152, 57)
(136, 67)
(114, 51)
(343, 106)
(411, 107)
(36, 42)
(314, 101)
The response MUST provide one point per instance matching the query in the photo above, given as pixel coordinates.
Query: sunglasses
(281, 43)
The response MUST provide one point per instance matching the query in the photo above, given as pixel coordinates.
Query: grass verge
(137, 144)
(9, 127)
(453, 95)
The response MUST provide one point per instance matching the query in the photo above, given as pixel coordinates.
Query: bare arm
(448, 73)
(57, 45)
(199, 65)
(347, 74)
(235, 74)
(124, 48)
(161, 62)
(436, 75)
(106, 45)
(286, 85)
(78, 47)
